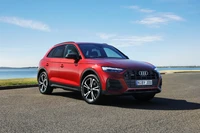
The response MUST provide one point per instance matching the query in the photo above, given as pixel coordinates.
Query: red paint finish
(69, 72)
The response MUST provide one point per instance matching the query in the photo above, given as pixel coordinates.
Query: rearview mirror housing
(74, 56)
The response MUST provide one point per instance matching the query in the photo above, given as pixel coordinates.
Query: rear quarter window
(56, 52)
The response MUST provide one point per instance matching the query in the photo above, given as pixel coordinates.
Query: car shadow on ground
(157, 103)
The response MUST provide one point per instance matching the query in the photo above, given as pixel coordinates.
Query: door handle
(61, 65)
(47, 64)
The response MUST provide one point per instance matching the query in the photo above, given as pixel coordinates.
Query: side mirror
(74, 56)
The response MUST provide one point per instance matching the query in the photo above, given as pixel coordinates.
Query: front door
(69, 68)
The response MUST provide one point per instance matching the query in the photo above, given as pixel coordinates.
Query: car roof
(80, 43)
(86, 43)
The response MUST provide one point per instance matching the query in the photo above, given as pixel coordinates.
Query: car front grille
(131, 76)
(134, 75)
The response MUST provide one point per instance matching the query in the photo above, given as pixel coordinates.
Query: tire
(91, 89)
(43, 83)
(144, 97)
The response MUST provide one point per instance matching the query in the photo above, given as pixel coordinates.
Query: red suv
(96, 69)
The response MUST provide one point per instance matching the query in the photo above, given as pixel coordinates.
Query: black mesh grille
(113, 84)
(131, 76)
(134, 74)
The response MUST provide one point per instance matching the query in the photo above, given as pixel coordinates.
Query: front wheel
(91, 89)
(144, 96)
(43, 82)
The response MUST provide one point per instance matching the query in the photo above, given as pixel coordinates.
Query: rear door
(53, 62)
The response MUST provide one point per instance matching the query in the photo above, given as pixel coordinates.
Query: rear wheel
(91, 89)
(43, 82)
(144, 96)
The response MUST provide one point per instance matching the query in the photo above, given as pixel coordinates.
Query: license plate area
(144, 82)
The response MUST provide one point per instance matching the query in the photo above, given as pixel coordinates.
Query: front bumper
(120, 84)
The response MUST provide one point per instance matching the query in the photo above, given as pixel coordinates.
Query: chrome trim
(143, 73)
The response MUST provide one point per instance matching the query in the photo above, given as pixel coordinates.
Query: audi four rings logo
(143, 73)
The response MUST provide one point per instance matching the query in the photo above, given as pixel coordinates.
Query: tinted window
(56, 52)
(70, 49)
(100, 51)
(95, 52)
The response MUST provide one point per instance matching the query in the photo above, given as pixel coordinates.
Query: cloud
(137, 8)
(36, 25)
(155, 20)
(125, 41)
(173, 17)
(105, 36)
(152, 20)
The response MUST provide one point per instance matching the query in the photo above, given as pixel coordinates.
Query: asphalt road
(175, 109)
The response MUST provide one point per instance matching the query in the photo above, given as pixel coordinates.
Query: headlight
(112, 69)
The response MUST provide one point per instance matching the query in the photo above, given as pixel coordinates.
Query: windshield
(101, 51)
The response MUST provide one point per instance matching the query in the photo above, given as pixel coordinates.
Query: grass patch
(19, 81)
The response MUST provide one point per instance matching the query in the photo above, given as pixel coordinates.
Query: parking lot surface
(175, 109)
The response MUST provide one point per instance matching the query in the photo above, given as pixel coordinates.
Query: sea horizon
(174, 66)
(31, 72)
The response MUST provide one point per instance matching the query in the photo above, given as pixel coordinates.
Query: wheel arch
(87, 72)
(40, 71)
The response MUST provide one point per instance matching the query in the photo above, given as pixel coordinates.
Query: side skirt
(65, 87)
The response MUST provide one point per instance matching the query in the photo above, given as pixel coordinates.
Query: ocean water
(9, 73)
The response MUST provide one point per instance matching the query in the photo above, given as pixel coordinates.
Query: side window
(51, 53)
(70, 49)
(56, 52)
(93, 52)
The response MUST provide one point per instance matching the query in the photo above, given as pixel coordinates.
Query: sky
(162, 32)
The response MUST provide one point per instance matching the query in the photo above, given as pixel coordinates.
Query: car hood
(123, 63)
